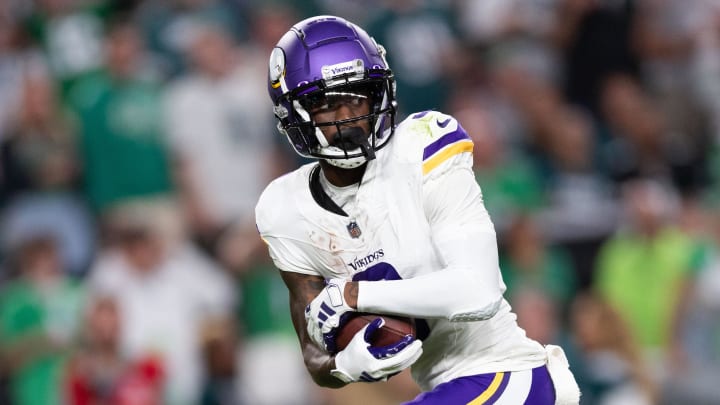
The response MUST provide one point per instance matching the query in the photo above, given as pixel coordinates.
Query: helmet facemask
(351, 146)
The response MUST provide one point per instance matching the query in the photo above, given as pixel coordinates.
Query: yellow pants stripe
(494, 384)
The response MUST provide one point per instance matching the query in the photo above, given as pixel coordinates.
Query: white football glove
(325, 313)
(361, 362)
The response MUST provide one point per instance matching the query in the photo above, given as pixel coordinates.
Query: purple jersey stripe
(420, 114)
(457, 135)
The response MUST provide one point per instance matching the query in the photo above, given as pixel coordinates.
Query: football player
(390, 220)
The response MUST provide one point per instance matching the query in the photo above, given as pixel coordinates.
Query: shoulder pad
(438, 140)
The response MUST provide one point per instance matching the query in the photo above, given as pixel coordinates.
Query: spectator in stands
(509, 182)
(644, 271)
(165, 290)
(528, 262)
(122, 141)
(516, 31)
(605, 357)
(638, 143)
(39, 162)
(539, 314)
(581, 203)
(694, 376)
(16, 61)
(40, 316)
(429, 30)
(99, 373)
(706, 65)
(219, 134)
(38, 152)
(170, 27)
(596, 39)
(70, 34)
(219, 349)
(673, 38)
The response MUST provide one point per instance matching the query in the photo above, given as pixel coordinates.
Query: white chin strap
(342, 163)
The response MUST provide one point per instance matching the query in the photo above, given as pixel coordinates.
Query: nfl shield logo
(354, 229)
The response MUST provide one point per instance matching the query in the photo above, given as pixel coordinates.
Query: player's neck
(342, 177)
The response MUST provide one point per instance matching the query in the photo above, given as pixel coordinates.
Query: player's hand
(361, 362)
(326, 313)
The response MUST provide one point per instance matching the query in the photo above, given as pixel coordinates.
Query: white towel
(567, 391)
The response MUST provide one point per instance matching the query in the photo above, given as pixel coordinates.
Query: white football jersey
(387, 235)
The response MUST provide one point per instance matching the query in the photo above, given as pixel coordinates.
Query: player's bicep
(461, 226)
(455, 202)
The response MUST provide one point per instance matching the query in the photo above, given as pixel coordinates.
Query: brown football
(395, 329)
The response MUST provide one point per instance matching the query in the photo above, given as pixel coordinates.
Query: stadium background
(136, 136)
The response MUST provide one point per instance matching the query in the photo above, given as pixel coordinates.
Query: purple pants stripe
(541, 389)
(492, 388)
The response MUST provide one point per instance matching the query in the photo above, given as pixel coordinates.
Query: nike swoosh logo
(443, 124)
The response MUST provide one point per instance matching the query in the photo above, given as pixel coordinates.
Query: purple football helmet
(318, 58)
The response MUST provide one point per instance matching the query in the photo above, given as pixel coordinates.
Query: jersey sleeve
(275, 223)
(440, 141)
(469, 286)
(288, 256)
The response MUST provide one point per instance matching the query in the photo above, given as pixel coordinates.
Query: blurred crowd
(136, 136)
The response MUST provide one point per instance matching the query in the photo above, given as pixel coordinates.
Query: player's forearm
(319, 364)
(469, 288)
(453, 294)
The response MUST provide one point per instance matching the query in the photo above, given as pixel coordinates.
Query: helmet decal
(355, 67)
(277, 67)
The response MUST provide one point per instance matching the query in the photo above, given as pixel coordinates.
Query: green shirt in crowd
(28, 320)
(264, 303)
(642, 278)
(122, 141)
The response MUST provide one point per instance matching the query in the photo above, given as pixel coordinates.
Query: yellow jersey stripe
(443, 155)
(494, 384)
